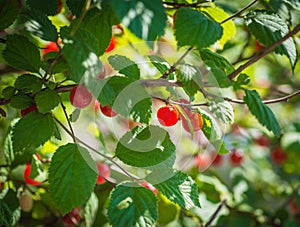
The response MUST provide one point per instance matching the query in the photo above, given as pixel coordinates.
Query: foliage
(231, 62)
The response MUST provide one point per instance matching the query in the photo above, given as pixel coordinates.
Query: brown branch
(264, 52)
(271, 101)
(239, 12)
(179, 5)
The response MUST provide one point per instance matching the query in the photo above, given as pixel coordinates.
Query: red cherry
(150, 187)
(196, 121)
(278, 156)
(262, 140)
(203, 161)
(104, 172)
(50, 47)
(107, 111)
(294, 208)
(167, 115)
(28, 180)
(218, 159)
(28, 110)
(111, 45)
(195, 118)
(236, 157)
(72, 218)
(80, 96)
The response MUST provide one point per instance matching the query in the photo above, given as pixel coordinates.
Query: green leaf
(21, 53)
(28, 83)
(263, 113)
(145, 146)
(99, 23)
(47, 100)
(88, 38)
(84, 64)
(218, 60)
(191, 78)
(76, 6)
(8, 13)
(10, 209)
(49, 7)
(220, 15)
(125, 66)
(210, 127)
(9, 92)
(222, 110)
(161, 64)
(193, 28)
(146, 19)
(37, 171)
(38, 24)
(269, 28)
(218, 76)
(126, 97)
(21, 101)
(32, 130)
(90, 210)
(72, 177)
(132, 205)
(180, 189)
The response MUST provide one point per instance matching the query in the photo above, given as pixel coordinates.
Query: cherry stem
(133, 178)
(173, 67)
(69, 123)
(85, 9)
(214, 215)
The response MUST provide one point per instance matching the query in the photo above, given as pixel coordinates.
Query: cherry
(104, 172)
(150, 187)
(218, 159)
(50, 47)
(107, 111)
(203, 160)
(72, 218)
(167, 115)
(195, 118)
(112, 45)
(236, 157)
(196, 121)
(294, 208)
(80, 96)
(262, 140)
(278, 156)
(28, 110)
(28, 180)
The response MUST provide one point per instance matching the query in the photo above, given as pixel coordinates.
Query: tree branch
(239, 12)
(264, 52)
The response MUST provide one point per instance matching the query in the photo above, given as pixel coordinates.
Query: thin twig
(173, 67)
(133, 178)
(271, 101)
(69, 123)
(85, 9)
(239, 12)
(51, 65)
(214, 215)
(264, 52)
